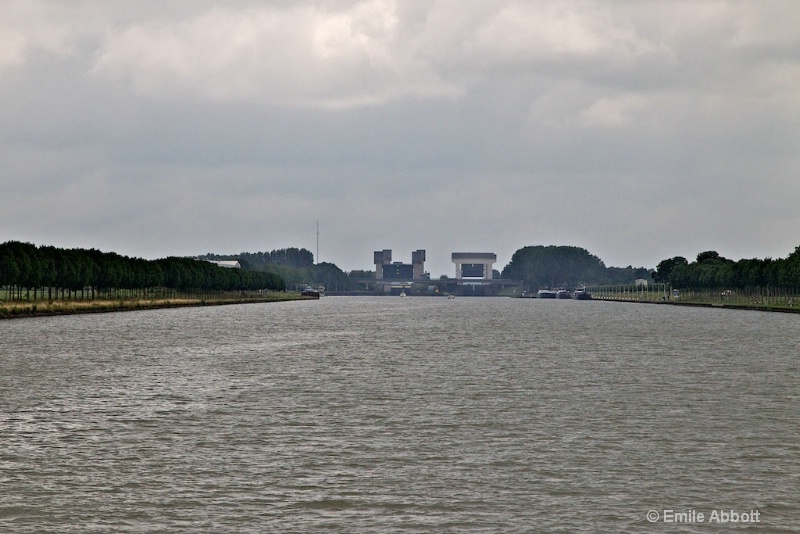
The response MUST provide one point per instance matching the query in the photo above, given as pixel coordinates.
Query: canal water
(359, 414)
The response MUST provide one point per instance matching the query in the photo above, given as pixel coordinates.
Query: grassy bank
(780, 300)
(12, 310)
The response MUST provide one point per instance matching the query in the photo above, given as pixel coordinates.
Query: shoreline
(744, 307)
(27, 310)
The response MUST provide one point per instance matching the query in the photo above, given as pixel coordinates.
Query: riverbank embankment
(19, 310)
(727, 306)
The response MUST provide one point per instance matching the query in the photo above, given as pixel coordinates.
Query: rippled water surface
(399, 415)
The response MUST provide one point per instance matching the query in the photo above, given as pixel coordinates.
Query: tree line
(297, 268)
(297, 258)
(565, 266)
(24, 266)
(712, 271)
(554, 266)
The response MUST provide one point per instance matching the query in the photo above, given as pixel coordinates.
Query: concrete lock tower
(386, 269)
(418, 261)
(381, 257)
(474, 264)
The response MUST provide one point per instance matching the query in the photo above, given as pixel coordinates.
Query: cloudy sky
(638, 130)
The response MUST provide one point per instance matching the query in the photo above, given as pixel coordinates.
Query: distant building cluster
(386, 269)
(468, 265)
(473, 274)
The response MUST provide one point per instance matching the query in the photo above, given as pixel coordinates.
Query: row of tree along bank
(564, 266)
(755, 298)
(297, 268)
(710, 271)
(557, 266)
(31, 273)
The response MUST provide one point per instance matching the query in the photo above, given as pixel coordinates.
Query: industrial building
(228, 264)
(386, 269)
(473, 276)
(397, 277)
(474, 264)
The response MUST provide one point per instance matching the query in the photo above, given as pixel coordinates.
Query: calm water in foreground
(401, 415)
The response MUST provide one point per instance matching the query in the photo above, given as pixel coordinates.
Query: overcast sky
(638, 130)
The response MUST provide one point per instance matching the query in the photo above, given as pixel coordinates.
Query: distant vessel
(563, 294)
(546, 294)
(582, 294)
(309, 292)
(403, 294)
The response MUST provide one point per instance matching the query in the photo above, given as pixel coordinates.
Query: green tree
(707, 255)
(539, 266)
(331, 277)
(664, 268)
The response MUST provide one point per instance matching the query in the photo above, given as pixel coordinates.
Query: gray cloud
(639, 131)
